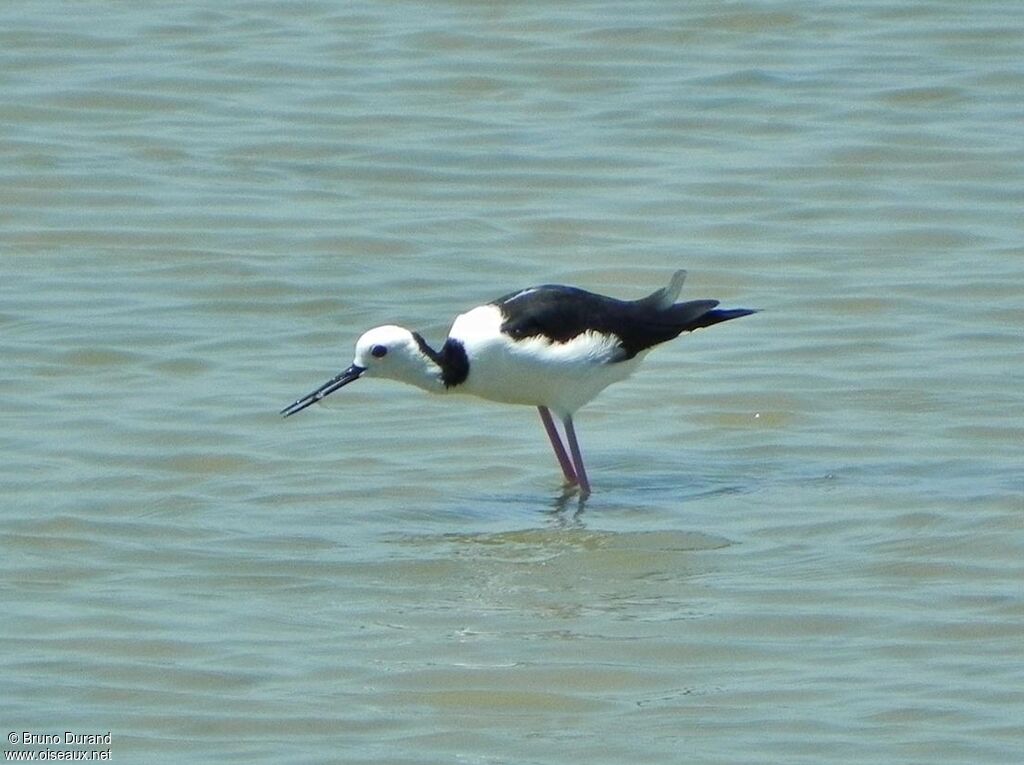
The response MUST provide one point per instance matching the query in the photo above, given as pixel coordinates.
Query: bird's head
(390, 352)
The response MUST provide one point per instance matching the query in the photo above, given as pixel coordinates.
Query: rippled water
(807, 533)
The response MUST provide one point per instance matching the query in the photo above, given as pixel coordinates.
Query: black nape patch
(454, 363)
(452, 360)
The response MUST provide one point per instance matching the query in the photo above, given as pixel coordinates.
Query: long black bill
(351, 374)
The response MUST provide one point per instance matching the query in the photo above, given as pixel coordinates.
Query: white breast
(535, 371)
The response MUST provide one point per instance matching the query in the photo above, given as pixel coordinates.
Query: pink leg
(577, 458)
(556, 444)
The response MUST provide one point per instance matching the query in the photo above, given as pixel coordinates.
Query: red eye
(379, 351)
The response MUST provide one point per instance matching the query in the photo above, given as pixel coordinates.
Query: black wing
(562, 313)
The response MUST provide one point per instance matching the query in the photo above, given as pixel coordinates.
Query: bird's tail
(661, 309)
(666, 296)
(713, 316)
(697, 314)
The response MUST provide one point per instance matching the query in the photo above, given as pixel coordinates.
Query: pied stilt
(552, 347)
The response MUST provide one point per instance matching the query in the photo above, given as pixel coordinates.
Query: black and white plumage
(552, 347)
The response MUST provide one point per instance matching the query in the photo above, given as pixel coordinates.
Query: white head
(396, 353)
(390, 352)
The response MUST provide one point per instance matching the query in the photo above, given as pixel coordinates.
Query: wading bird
(552, 347)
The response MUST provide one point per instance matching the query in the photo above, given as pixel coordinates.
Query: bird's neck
(448, 367)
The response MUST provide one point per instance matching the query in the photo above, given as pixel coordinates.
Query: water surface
(806, 536)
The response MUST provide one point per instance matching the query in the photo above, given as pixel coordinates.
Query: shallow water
(806, 536)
